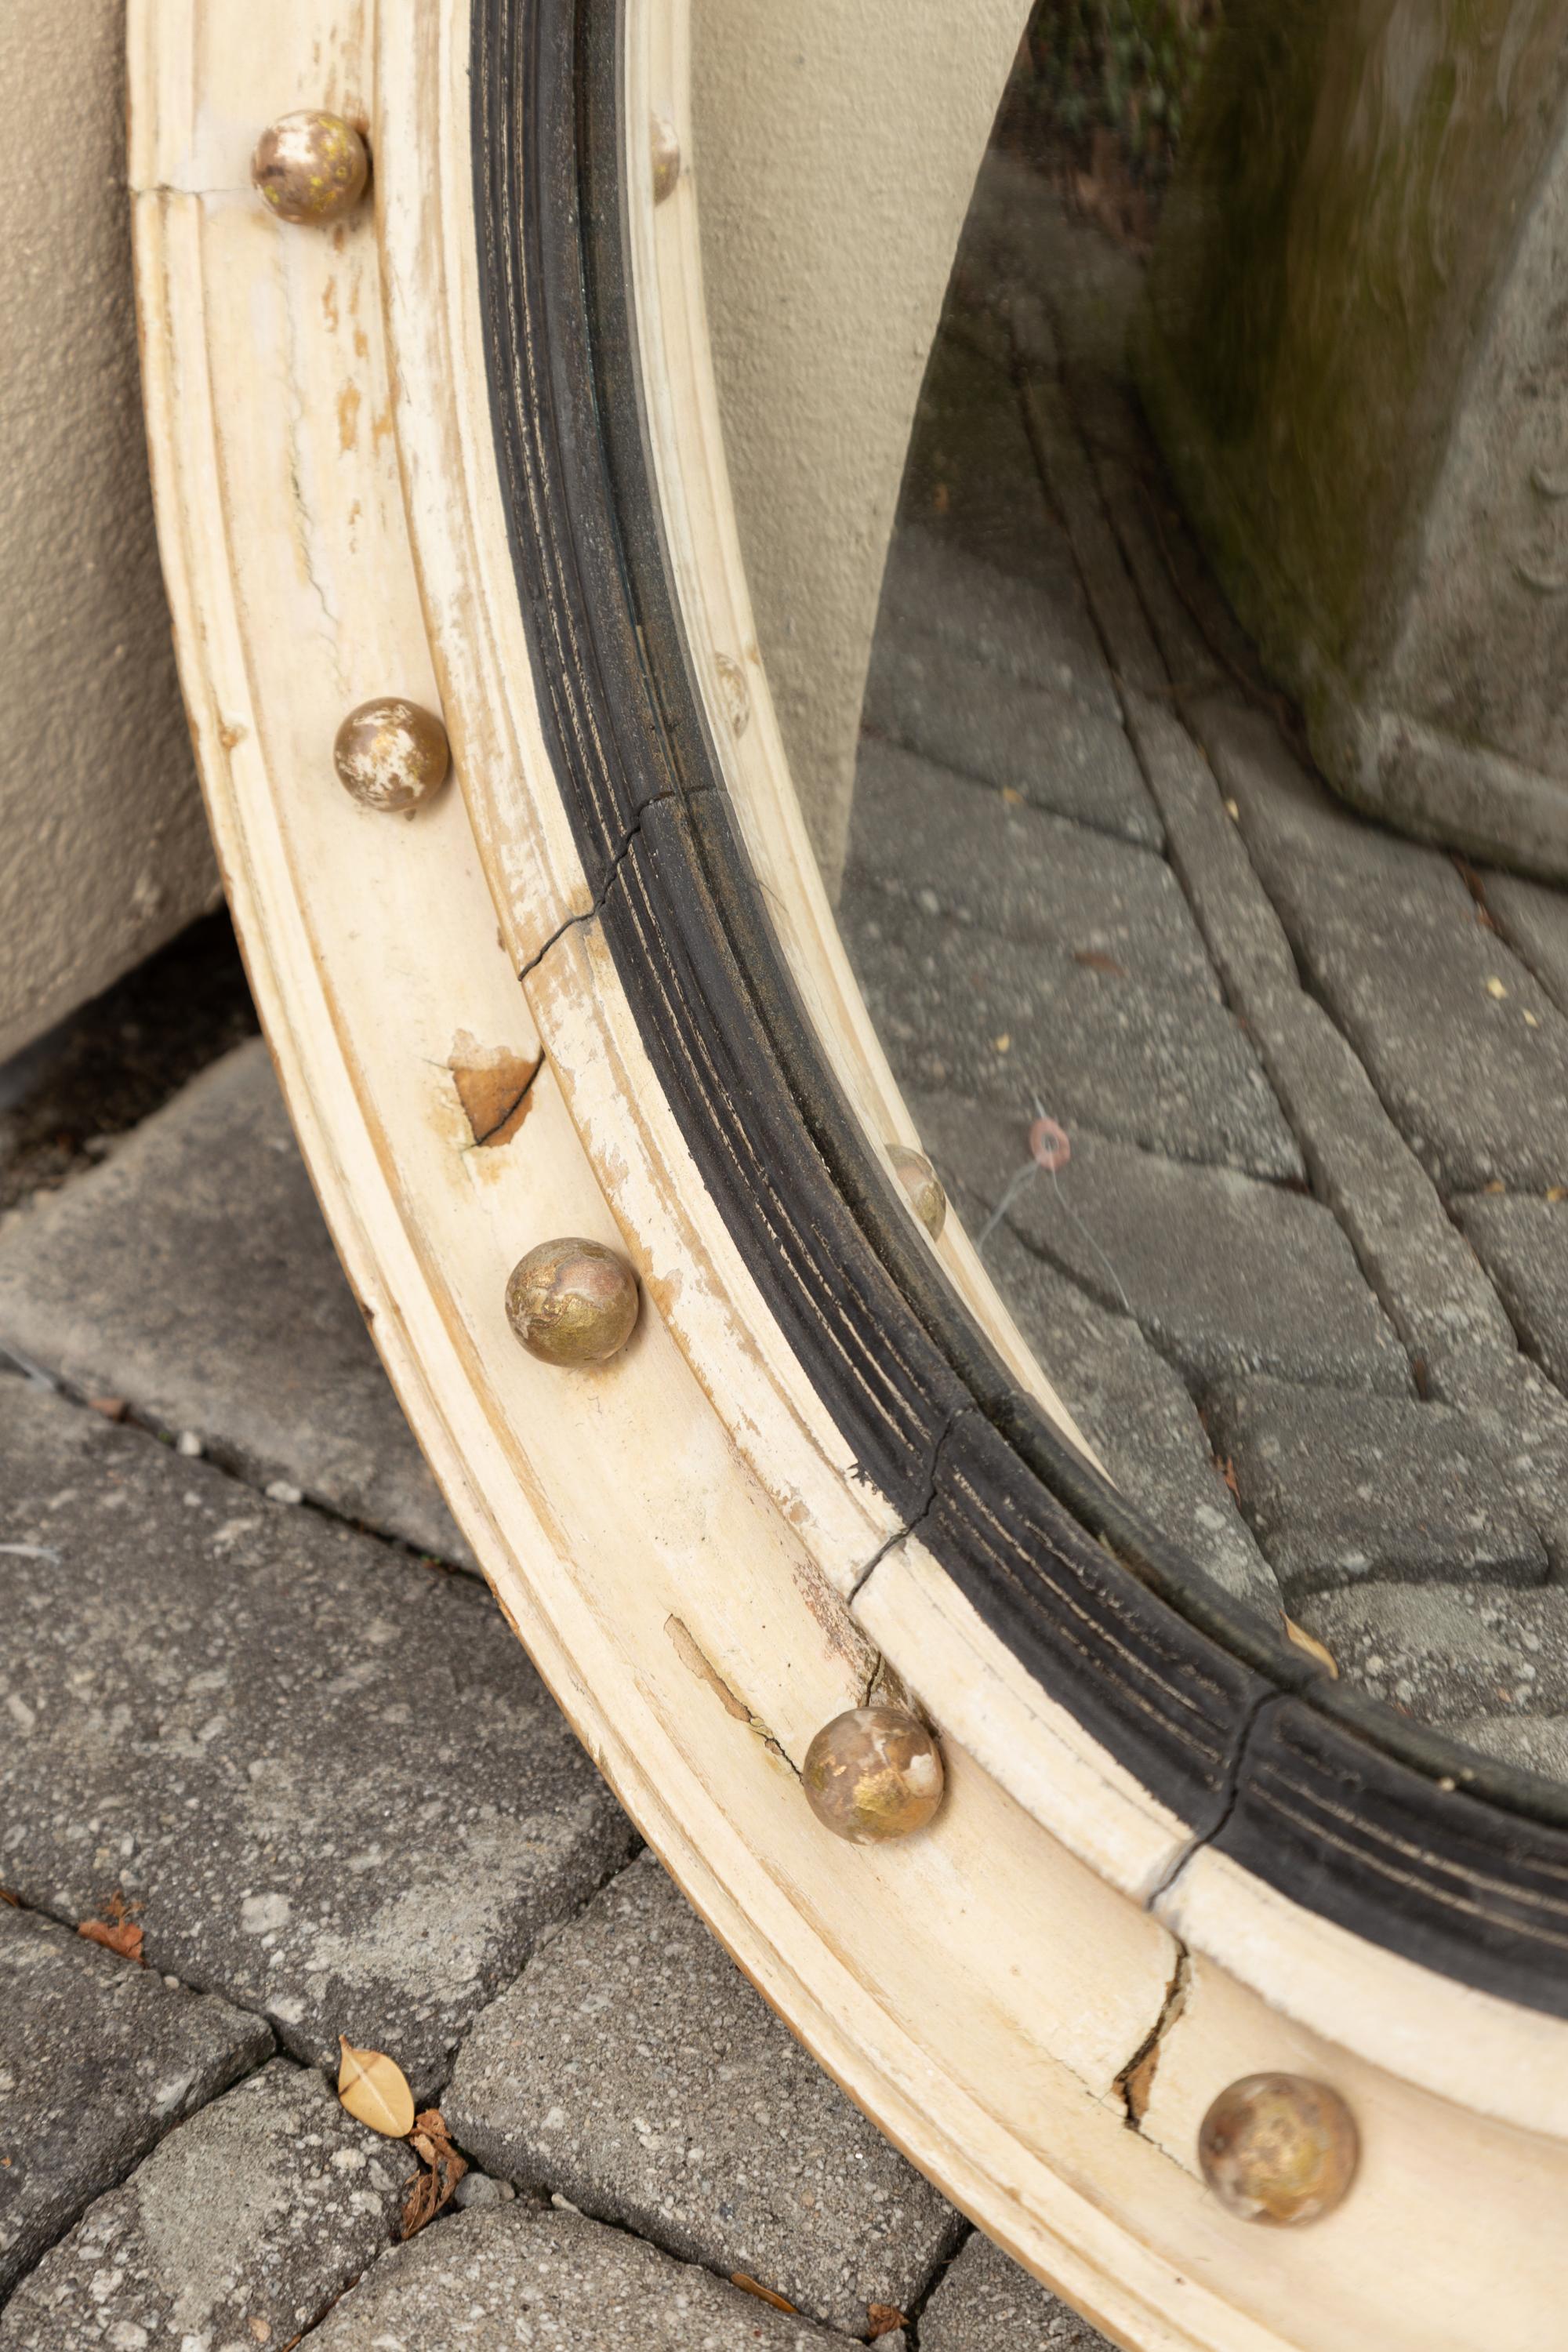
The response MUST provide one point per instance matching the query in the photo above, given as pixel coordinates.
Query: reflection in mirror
(1209, 829)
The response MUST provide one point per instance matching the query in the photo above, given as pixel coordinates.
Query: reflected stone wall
(1356, 354)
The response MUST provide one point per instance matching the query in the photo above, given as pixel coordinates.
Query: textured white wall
(836, 144)
(105, 850)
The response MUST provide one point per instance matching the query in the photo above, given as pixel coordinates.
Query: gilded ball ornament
(573, 1302)
(309, 168)
(921, 1184)
(391, 755)
(1279, 2148)
(872, 1774)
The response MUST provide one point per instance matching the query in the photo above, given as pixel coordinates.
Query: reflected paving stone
(495, 2280)
(937, 844)
(1534, 1743)
(959, 1010)
(986, 2304)
(1533, 917)
(1037, 630)
(1522, 1421)
(1523, 1241)
(971, 480)
(1044, 742)
(192, 1276)
(1450, 1652)
(240, 2228)
(98, 2059)
(1344, 1490)
(1224, 1276)
(1137, 1414)
(330, 1784)
(635, 2071)
(1392, 942)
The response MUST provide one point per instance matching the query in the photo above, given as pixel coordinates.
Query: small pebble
(481, 2188)
(190, 1444)
(280, 1491)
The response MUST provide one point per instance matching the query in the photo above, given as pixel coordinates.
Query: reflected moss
(1125, 65)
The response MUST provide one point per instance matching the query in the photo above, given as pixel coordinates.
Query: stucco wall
(105, 847)
(835, 153)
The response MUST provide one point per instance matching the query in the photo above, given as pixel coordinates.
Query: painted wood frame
(465, 447)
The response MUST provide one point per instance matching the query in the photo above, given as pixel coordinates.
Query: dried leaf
(1095, 961)
(428, 2191)
(1557, 1191)
(882, 2318)
(1227, 1472)
(1313, 1646)
(374, 2090)
(112, 1408)
(118, 1935)
(764, 2294)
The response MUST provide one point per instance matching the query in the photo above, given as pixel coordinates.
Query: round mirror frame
(462, 447)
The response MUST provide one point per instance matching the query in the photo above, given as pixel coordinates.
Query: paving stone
(1069, 477)
(1522, 1239)
(1244, 936)
(1132, 1409)
(552, 2281)
(1535, 1743)
(1361, 1164)
(1342, 1488)
(1466, 1048)
(114, 1060)
(971, 480)
(192, 1276)
(98, 2059)
(1422, 1267)
(958, 1008)
(1037, 630)
(1522, 1421)
(936, 842)
(1225, 1276)
(986, 2304)
(1043, 742)
(1533, 918)
(242, 2227)
(1137, 1414)
(1449, 1652)
(634, 2071)
(326, 1777)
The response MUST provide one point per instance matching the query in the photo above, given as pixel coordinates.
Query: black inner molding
(1420, 1846)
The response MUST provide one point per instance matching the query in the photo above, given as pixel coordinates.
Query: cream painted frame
(680, 1539)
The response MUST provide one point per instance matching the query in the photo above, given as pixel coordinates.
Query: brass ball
(872, 1774)
(391, 754)
(922, 1184)
(309, 168)
(1277, 2148)
(573, 1302)
(666, 150)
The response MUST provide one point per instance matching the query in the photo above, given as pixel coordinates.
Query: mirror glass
(1201, 842)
